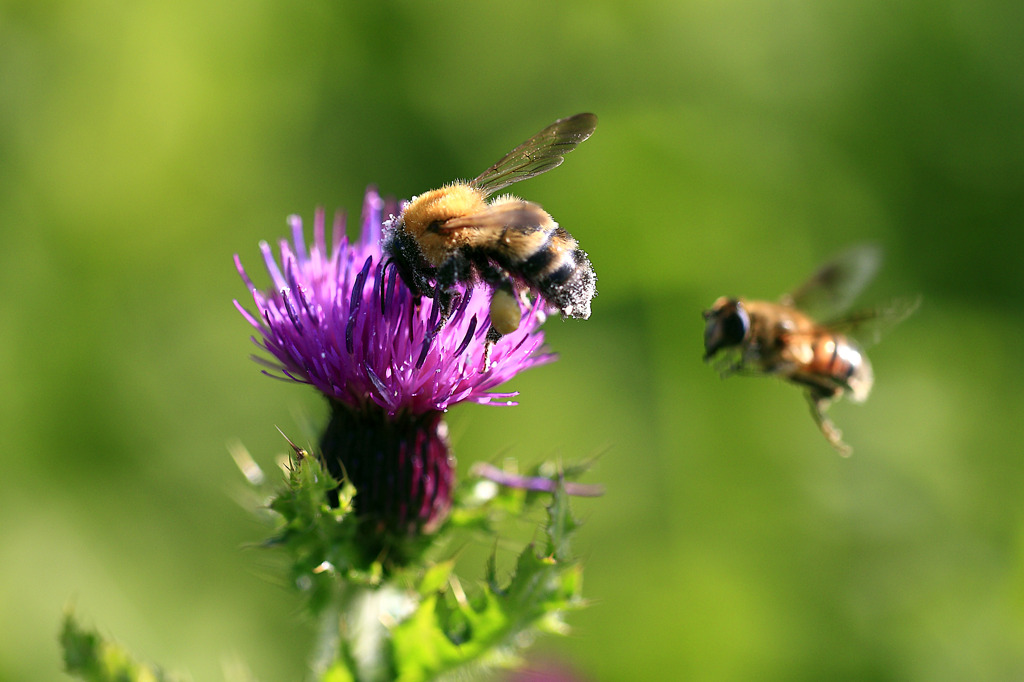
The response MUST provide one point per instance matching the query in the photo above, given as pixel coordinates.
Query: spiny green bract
(449, 630)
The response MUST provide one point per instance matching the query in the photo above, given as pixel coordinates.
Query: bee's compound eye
(505, 312)
(735, 325)
(727, 325)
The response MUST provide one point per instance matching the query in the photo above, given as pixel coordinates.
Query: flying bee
(455, 235)
(784, 340)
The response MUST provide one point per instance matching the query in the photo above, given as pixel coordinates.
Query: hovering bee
(781, 339)
(454, 235)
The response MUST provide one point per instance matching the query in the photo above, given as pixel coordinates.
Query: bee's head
(727, 325)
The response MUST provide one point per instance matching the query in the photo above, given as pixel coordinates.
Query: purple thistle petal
(383, 391)
(469, 337)
(297, 237)
(275, 272)
(243, 274)
(535, 483)
(296, 323)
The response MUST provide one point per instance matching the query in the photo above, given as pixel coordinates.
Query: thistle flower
(342, 320)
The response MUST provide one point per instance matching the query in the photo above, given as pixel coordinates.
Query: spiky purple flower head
(342, 320)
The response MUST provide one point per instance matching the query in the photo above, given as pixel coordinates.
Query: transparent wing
(539, 154)
(521, 215)
(834, 286)
(870, 324)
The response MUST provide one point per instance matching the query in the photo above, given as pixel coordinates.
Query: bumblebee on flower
(341, 320)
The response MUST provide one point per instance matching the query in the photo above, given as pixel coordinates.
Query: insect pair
(454, 235)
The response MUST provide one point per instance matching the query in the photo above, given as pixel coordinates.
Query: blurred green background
(740, 144)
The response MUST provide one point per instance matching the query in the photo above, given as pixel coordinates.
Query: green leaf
(88, 656)
(449, 630)
(338, 673)
(436, 577)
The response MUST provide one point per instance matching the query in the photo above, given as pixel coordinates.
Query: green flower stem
(355, 633)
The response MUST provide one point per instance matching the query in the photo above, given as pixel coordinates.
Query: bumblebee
(454, 235)
(782, 339)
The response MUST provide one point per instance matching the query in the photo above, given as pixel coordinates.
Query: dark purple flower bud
(401, 466)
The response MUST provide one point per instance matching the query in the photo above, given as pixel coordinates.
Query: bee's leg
(455, 269)
(444, 303)
(726, 365)
(445, 298)
(504, 311)
(500, 309)
(492, 338)
(404, 253)
(730, 367)
(818, 405)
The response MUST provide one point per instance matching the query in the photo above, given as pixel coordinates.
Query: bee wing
(539, 154)
(516, 214)
(868, 325)
(834, 286)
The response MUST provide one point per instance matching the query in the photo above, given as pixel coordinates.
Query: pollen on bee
(505, 312)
